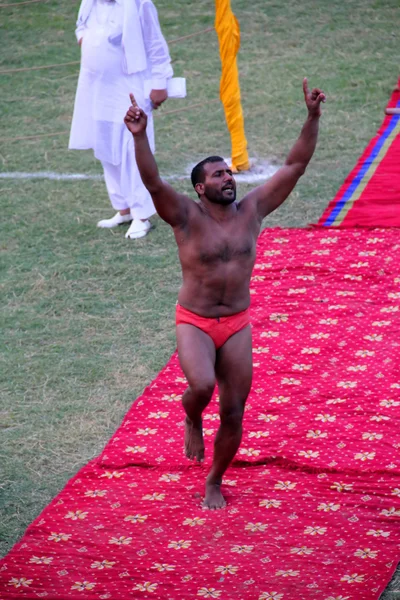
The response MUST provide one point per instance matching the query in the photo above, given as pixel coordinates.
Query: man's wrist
(139, 136)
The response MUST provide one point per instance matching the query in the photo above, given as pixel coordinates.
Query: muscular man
(216, 239)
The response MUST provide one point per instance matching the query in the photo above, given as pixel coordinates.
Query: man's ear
(199, 187)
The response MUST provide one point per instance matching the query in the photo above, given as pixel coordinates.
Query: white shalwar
(122, 48)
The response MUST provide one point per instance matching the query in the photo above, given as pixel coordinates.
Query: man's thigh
(234, 366)
(196, 353)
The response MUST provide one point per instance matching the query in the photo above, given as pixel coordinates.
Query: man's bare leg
(196, 353)
(234, 369)
(194, 443)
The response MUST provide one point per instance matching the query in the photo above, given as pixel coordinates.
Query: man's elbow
(298, 168)
(301, 168)
(154, 187)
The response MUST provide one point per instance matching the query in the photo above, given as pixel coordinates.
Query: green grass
(87, 317)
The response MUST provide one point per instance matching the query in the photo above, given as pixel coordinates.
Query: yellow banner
(228, 31)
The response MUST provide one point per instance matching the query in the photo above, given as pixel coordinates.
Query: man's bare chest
(210, 243)
(210, 251)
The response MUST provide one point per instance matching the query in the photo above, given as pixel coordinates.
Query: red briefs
(219, 329)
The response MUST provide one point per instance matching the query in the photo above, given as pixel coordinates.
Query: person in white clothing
(123, 52)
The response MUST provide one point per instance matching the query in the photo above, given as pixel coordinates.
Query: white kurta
(102, 96)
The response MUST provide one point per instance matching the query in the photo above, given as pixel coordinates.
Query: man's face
(219, 184)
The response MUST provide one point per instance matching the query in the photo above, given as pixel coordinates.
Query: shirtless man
(216, 239)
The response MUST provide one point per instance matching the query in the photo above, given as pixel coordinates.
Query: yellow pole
(228, 31)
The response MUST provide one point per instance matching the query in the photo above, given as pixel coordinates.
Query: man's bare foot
(214, 499)
(194, 444)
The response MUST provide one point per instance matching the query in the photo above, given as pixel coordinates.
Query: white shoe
(117, 219)
(138, 229)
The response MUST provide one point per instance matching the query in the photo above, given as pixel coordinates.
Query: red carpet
(314, 493)
(370, 195)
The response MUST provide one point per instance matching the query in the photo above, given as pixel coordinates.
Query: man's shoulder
(196, 210)
(189, 211)
(247, 204)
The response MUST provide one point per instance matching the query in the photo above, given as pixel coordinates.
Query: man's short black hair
(197, 175)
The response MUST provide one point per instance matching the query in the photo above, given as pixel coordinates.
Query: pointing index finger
(133, 101)
(305, 87)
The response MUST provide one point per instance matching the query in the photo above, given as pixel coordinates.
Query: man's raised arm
(171, 206)
(269, 196)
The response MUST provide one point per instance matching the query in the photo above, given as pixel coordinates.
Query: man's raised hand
(135, 119)
(313, 99)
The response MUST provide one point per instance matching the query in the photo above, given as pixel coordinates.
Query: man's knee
(202, 389)
(232, 417)
(235, 391)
